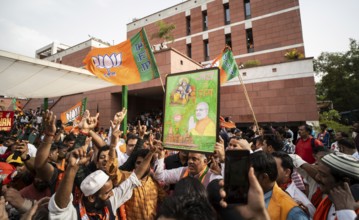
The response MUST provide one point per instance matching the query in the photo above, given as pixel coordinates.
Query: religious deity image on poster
(191, 110)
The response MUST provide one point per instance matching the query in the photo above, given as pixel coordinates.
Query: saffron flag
(227, 65)
(72, 117)
(129, 62)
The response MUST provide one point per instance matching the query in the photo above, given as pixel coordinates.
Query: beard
(99, 204)
(41, 186)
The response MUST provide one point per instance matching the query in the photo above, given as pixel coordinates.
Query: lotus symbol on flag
(108, 62)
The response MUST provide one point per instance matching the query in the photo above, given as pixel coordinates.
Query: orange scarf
(201, 174)
(84, 215)
(323, 209)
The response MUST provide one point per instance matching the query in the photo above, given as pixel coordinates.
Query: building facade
(259, 32)
(256, 30)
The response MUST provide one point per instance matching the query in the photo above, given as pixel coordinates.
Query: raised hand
(219, 150)
(13, 196)
(3, 213)
(215, 168)
(43, 202)
(49, 123)
(23, 149)
(116, 134)
(88, 123)
(119, 116)
(141, 130)
(79, 157)
(191, 123)
(343, 198)
(87, 143)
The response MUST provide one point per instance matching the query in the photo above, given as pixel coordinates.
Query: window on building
(247, 9)
(205, 20)
(206, 50)
(189, 50)
(188, 25)
(228, 40)
(227, 15)
(250, 43)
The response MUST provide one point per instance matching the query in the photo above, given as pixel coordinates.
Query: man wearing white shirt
(197, 167)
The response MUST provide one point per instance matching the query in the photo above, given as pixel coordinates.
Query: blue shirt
(295, 213)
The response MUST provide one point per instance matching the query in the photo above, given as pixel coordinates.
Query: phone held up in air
(236, 183)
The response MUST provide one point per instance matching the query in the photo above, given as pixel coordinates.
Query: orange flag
(129, 62)
(71, 117)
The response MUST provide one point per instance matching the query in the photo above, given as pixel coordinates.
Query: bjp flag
(227, 65)
(72, 117)
(129, 62)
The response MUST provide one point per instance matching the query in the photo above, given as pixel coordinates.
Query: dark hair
(54, 146)
(308, 128)
(347, 143)
(131, 136)
(281, 131)
(258, 139)
(264, 163)
(344, 135)
(104, 148)
(273, 141)
(191, 187)
(323, 126)
(321, 149)
(186, 208)
(70, 137)
(287, 162)
(129, 165)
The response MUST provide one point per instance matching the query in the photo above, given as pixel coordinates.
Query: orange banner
(73, 115)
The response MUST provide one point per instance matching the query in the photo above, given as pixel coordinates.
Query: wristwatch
(27, 158)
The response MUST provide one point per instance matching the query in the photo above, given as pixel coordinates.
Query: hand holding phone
(236, 183)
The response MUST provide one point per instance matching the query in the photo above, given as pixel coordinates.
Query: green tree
(340, 77)
(164, 31)
(331, 119)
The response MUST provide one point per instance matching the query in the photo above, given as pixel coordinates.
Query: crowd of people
(46, 173)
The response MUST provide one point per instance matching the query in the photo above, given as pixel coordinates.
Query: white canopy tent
(26, 77)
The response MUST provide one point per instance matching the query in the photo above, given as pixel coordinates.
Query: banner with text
(6, 120)
(73, 116)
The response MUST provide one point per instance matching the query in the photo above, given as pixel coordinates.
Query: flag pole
(248, 100)
(46, 104)
(163, 87)
(124, 105)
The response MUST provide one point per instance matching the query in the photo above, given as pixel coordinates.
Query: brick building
(256, 30)
(280, 90)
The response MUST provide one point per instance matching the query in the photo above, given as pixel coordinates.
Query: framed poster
(191, 110)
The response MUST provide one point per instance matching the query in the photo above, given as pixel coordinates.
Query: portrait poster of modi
(191, 110)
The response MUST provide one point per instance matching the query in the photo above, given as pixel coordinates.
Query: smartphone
(16, 155)
(236, 183)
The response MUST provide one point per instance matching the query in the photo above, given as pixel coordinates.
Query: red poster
(6, 120)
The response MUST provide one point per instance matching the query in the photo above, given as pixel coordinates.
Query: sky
(27, 25)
